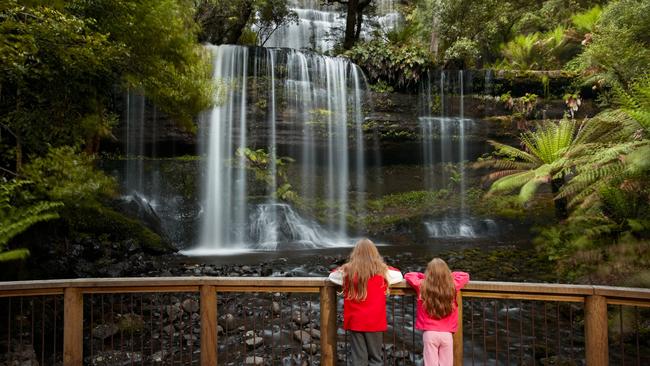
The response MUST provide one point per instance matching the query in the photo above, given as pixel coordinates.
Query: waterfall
(444, 152)
(134, 149)
(320, 100)
(319, 25)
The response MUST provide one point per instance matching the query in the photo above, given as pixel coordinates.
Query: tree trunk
(433, 46)
(19, 156)
(238, 27)
(561, 211)
(350, 24)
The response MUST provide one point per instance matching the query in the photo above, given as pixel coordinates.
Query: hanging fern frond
(16, 219)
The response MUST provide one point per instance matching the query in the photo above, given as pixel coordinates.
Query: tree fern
(541, 161)
(15, 219)
(623, 157)
(586, 21)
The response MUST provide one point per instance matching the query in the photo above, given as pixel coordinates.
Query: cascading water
(319, 25)
(322, 99)
(134, 149)
(444, 153)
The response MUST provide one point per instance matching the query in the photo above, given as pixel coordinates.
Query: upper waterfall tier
(322, 98)
(319, 26)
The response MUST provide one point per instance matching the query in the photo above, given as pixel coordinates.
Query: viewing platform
(296, 321)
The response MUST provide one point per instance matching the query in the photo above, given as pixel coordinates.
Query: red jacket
(368, 315)
(424, 321)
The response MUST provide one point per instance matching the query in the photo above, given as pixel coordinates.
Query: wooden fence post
(596, 343)
(73, 320)
(208, 306)
(328, 325)
(458, 336)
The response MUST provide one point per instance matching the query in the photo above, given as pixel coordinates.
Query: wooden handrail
(596, 299)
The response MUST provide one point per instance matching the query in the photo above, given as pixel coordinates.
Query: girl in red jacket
(437, 310)
(365, 279)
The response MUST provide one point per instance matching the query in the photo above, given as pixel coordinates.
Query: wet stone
(116, 358)
(299, 318)
(275, 307)
(310, 348)
(169, 329)
(315, 333)
(190, 305)
(159, 356)
(254, 360)
(254, 342)
(103, 331)
(173, 312)
(302, 336)
(228, 321)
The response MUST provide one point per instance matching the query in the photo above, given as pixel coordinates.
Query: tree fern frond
(513, 152)
(529, 189)
(511, 182)
(500, 174)
(14, 254)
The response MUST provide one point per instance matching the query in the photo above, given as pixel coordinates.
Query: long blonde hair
(438, 291)
(364, 263)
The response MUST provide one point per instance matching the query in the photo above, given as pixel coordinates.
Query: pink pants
(438, 348)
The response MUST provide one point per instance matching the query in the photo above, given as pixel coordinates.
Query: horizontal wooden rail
(595, 298)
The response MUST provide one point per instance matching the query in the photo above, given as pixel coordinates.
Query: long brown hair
(363, 264)
(438, 291)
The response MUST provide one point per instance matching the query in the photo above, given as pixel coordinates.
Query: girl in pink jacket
(437, 310)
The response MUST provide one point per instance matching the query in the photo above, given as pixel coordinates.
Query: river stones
(254, 360)
(190, 305)
(103, 331)
(302, 336)
(275, 307)
(299, 317)
(254, 342)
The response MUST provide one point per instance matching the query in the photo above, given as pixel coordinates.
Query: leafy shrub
(463, 53)
(70, 177)
(399, 65)
(536, 51)
(619, 50)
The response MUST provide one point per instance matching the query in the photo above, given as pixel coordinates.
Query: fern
(16, 219)
(586, 21)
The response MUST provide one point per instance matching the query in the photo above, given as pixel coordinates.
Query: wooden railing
(595, 301)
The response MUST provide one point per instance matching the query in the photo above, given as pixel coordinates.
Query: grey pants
(366, 348)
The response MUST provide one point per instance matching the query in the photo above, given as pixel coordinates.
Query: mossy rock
(100, 220)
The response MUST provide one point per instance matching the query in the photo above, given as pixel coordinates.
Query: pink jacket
(424, 321)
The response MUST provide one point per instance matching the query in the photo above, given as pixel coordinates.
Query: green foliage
(620, 157)
(398, 65)
(271, 15)
(619, 49)
(606, 235)
(52, 68)
(249, 22)
(381, 87)
(18, 212)
(259, 162)
(60, 64)
(521, 53)
(521, 107)
(535, 51)
(463, 53)
(542, 161)
(162, 55)
(68, 176)
(585, 22)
